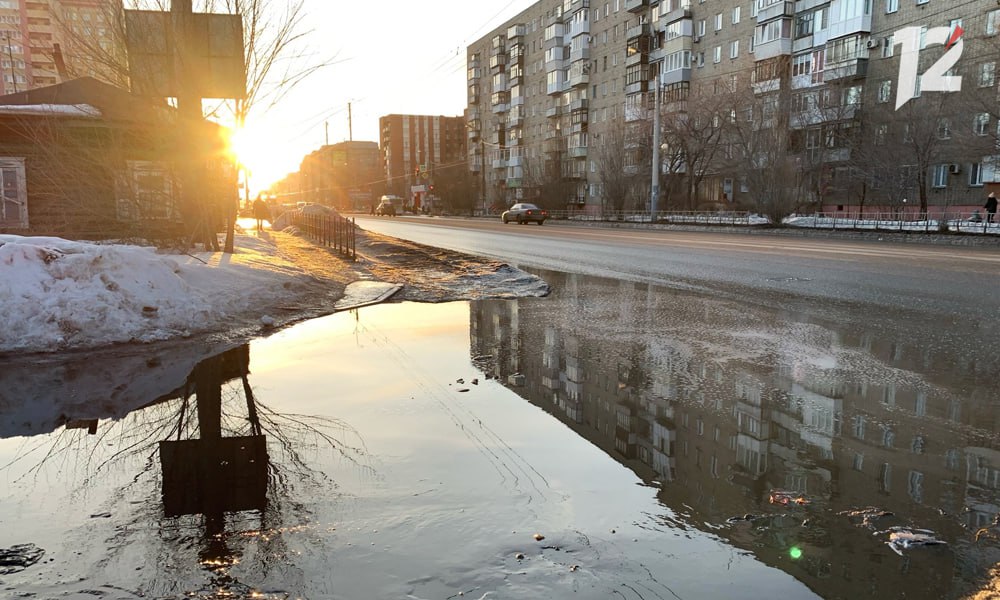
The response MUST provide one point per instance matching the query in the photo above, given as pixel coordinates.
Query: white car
(524, 212)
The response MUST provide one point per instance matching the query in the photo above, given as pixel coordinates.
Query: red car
(524, 212)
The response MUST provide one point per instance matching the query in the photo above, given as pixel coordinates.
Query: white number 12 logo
(934, 79)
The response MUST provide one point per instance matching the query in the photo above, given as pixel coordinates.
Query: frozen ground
(59, 294)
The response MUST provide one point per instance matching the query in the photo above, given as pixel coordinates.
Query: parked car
(385, 208)
(524, 212)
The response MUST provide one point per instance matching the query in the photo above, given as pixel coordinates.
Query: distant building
(760, 103)
(344, 176)
(415, 146)
(83, 30)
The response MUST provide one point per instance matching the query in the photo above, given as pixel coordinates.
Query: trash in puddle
(785, 497)
(865, 517)
(904, 538)
(19, 557)
(747, 517)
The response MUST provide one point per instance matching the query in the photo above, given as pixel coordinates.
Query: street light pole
(655, 187)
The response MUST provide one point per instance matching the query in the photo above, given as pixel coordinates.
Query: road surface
(933, 280)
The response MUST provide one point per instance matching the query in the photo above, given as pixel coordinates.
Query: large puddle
(614, 440)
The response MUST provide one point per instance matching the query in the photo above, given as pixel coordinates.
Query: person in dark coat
(261, 212)
(991, 207)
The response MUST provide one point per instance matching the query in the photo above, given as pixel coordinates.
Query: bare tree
(693, 134)
(763, 155)
(616, 168)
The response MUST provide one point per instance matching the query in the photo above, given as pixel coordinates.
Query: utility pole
(655, 187)
(350, 124)
(190, 110)
(326, 126)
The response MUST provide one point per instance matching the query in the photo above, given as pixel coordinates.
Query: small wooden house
(87, 160)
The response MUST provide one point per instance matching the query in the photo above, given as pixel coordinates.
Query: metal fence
(674, 217)
(330, 230)
(960, 222)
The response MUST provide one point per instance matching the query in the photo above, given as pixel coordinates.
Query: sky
(58, 294)
(389, 57)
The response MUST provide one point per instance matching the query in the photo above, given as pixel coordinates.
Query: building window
(922, 2)
(987, 74)
(734, 49)
(976, 174)
(718, 22)
(881, 131)
(736, 15)
(802, 64)
(993, 22)
(14, 204)
(148, 192)
(888, 44)
(803, 24)
(718, 54)
(701, 27)
(944, 129)
(981, 124)
(891, 6)
(939, 177)
(884, 90)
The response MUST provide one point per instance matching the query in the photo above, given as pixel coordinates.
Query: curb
(377, 300)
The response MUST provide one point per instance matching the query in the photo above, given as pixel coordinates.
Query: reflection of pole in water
(213, 475)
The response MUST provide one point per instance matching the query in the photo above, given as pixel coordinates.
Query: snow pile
(59, 294)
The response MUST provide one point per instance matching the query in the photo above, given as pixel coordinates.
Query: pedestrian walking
(991, 207)
(260, 212)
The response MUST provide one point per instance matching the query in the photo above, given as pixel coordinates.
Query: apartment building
(345, 176)
(770, 105)
(416, 149)
(31, 30)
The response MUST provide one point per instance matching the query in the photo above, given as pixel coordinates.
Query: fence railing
(678, 217)
(330, 230)
(945, 222)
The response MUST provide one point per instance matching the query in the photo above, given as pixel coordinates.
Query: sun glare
(255, 148)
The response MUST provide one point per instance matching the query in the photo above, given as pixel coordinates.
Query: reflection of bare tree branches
(183, 549)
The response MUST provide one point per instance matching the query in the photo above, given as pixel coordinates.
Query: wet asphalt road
(933, 281)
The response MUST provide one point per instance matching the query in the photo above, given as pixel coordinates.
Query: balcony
(578, 151)
(579, 54)
(778, 47)
(674, 15)
(779, 9)
(473, 135)
(579, 75)
(859, 24)
(638, 31)
(578, 28)
(676, 76)
(554, 88)
(852, 69)
(516, 31)
(636, 5)
(580, 104)
(498, 63)
(500, 108)
(513, 183)
(636, 87)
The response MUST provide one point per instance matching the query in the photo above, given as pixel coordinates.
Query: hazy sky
(391, 57)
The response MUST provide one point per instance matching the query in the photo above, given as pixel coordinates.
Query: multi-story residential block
(30, 32)
(772, 105)
(345, 176)
(417, 149)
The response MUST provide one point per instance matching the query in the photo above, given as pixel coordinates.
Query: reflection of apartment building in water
(30, 31)
(560, 90)
(718, 436)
